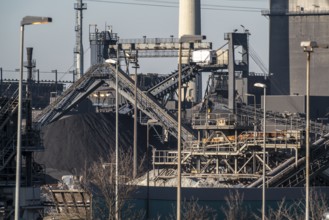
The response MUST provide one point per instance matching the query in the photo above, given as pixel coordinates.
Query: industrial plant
(244, 130)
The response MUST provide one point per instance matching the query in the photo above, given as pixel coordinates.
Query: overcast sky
(53, 43)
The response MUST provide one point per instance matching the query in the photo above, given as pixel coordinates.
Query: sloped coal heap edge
(73, 143)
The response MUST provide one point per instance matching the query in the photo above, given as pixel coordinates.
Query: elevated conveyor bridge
(291, 173)
(98, 75)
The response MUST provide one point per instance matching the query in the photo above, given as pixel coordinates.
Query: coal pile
(73, 143)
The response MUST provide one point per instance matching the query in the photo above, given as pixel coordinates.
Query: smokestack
(78, 51)
(190, 24)
(29, 51)
(30, 65)
(189, 17)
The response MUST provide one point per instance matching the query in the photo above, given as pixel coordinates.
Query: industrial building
(292, 22)
(222, 133)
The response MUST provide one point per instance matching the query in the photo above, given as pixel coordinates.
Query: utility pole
(308, 47)
(136, 66)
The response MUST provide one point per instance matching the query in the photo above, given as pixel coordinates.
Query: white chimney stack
(189, 17)
(190, 24)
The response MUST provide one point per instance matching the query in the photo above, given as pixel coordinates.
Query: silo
(190, 24)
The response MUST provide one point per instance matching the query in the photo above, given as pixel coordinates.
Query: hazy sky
(53, 43)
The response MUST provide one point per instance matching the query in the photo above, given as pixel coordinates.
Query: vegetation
(102, 183)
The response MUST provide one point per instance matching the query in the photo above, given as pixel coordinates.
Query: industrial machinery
(222, 136)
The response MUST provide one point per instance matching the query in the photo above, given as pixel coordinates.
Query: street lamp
(134, 60)
(117, 63)
(263, 86)
(182, 39)
(149, 122)
(308, 47)
(27, 20)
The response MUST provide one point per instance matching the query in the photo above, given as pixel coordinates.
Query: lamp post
(116, 62)
(182, 39)
(134, 60)
(27, 20)
(263, 86)
(117, 135)
(149, 122)
(308, 47)
(136, 66)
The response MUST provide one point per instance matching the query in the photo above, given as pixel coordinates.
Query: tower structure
(190, 24)
(78, 50)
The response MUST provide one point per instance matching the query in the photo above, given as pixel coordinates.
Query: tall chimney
(78, 50)
(190, 24)
(189, 17)
(29, 51)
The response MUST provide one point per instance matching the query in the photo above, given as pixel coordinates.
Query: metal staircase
(7, 152)
(170, 83)
(7, 108)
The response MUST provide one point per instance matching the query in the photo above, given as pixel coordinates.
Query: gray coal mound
(73, 143)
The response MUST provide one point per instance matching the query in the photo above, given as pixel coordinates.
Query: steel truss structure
(225, 145)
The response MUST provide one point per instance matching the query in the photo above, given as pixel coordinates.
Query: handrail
(9, 103)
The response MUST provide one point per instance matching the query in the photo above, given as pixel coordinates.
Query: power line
(206, 5)
(168, 4)
(131, 3)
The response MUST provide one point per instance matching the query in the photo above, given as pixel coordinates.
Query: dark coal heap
(73, 143)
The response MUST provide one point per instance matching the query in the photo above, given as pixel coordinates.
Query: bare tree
(318, 204)
(295, 210)
(234, 208)
(193, 210)
(101, 181)
(283, 211)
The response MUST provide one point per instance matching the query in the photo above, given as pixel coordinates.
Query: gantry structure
(223, 139)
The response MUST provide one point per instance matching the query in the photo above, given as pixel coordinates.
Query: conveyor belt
(96, 76)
